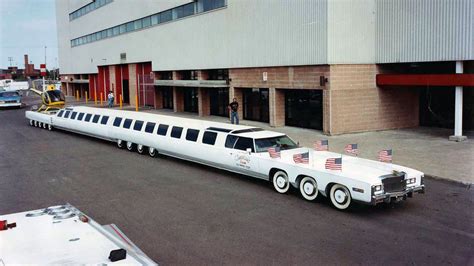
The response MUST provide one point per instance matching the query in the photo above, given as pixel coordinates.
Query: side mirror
(249, 150)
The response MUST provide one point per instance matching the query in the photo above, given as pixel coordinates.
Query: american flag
(385, 156)
(301, 157)
(274, 152)
(351, 149)
(321, 145)
(333, 164)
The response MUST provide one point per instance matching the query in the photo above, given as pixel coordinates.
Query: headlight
(411, 181)
(378, 188)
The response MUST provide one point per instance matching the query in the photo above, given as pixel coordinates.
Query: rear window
(176, 132)
(150, 126)
(209, 138)
(117, 121)
(88, 117)
(244, 144)
(127, 123)
(138, 125)
(60, 114)
(80, 116)
(230, 141)
(66, 115)
(104, 120)
(73, 115)
(192, 134)
(95, 119)
(162, 129)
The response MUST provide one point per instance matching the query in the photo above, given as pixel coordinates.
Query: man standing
(234, 108)
(110, 99)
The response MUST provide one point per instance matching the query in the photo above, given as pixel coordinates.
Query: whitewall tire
(50, 127)
(140, 148)
(120, 144)
(281, 182)
(130, 146)
(340, 197)
(308, 188)
(152, 152)
(31, 122)
(36, 123)
(45, 126)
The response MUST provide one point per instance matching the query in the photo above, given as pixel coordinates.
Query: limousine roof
(240, 130)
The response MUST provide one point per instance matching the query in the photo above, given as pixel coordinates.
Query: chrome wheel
(152, 152)
(120, 144)
(130, 146)
(309, 188)
(31, 122)
(281, 183)
(340, 197)
(140, 148)
(50, 127)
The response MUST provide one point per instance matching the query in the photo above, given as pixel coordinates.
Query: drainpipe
(458, 108)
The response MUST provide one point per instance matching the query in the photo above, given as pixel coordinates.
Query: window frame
(138, 123)
(127, 121)
(148, 125)
(88, 117)
(245, 138)
(160, 129)
(106, 118)
(190, 134)
(95, 119)
(178, 133)
(80, 116)
(119, 120)
(204, 137)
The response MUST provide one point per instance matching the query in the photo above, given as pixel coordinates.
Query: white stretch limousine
(242, 149)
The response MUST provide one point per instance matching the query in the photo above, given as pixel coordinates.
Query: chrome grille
(394, 182)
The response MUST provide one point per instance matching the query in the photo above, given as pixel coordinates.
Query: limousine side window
(162, 129)
(80, 116)
(150, 126)
(66, 115)
(209, 138)
(192, 134)
(104, 120)
(127, 123)
(138, 125)
(60, 114)
(88, 117)
(243, 144)
(230, 141)
(95, 119)
(117, 121)
(176, 132)
(73, 115)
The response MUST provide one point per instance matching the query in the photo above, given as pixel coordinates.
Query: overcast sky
(26, 27)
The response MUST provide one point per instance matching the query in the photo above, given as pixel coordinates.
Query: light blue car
(10, 99)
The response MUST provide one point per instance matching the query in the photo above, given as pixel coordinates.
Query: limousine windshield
(284, 142)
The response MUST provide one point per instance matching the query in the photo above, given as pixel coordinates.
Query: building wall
(424, 30)
(356, 104)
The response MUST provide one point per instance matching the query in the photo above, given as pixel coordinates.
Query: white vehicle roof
(51, 236)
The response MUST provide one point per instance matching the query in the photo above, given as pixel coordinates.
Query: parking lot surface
(179, 212)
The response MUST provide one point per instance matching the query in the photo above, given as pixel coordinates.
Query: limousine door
(242, 158)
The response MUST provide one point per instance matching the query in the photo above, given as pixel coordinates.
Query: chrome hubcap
(340, 196)
(281, 182)
(308, 188)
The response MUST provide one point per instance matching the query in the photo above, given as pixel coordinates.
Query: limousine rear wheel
(140, 148)
(340, 197)
(281, 183)
(36, 123)
(130, 146)
(120, 144)
(309, 188)
(152, 152)
(45, 125)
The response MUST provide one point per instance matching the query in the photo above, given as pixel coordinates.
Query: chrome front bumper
(397, 196)
(10, 104)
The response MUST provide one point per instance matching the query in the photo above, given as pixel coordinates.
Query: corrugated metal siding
(351, 32)
(424, 30)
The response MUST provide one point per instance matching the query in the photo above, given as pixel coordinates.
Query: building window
(192, 134)
(117, 121)
(88, 8)
(209, 138)
(162, 129)
(178, 12)
(176, 132)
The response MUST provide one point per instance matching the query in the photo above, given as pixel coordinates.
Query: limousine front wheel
(152, 152)
(281, 183)
(340, 197)
(309, 188)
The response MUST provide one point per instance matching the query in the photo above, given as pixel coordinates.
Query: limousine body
(242, 149)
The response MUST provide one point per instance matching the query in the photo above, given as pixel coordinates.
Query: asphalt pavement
(179, 212)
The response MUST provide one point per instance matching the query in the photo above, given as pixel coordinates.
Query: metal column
(458, 108)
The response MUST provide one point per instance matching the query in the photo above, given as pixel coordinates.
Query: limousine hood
(352, 167)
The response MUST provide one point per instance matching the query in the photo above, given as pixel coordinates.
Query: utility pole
(10, 59)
